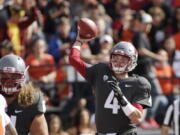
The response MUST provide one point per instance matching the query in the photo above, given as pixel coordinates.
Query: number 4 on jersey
(112, 103)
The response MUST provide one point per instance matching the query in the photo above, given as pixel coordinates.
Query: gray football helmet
(12, 73)
(125, 49)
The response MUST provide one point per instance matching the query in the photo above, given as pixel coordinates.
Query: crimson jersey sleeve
(76, 62)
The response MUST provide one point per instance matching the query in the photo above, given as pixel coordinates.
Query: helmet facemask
(119, 63)
(11, 81)
(12, 74)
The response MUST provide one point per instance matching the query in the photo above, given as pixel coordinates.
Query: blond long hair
(26, 95)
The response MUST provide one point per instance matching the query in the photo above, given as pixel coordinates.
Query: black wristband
(122, 101)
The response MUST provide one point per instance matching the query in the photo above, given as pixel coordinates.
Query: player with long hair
(26, 106)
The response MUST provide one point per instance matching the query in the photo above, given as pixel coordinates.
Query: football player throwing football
(119, 97)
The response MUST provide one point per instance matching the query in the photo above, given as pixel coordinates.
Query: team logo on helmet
(105, 77)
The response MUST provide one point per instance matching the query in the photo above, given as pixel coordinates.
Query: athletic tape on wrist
(77, 47)
(128, 109)
(77, 44)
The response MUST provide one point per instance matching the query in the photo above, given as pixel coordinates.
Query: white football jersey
(4, 118)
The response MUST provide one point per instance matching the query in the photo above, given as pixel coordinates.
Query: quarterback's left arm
(141, 98)
(137, 114)
(39, 125)
(133, 111)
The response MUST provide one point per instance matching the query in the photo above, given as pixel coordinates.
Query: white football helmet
(12, 73)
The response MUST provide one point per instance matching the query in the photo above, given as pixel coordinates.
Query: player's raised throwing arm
(75, 60)
(74, 57)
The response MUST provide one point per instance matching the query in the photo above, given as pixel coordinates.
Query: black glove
(114, 85)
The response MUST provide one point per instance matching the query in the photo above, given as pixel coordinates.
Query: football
(87, 28)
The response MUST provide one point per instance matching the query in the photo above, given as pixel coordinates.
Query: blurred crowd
(42, 32)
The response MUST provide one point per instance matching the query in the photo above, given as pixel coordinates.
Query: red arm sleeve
(76, 62)
(139, 107)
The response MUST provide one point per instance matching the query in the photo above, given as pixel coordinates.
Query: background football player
(26, 107)
(119, 98)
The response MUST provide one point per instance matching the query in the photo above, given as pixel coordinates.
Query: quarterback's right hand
(82, 40)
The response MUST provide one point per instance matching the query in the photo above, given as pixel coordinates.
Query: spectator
(158, 30)
(97, 14)
(146, 56)
(42, 4)
(79, 8)
(176, 39)
(106, 43)
(175, 20)
(173, 54)
(42, 66)
(174, 60)
(6, 48)
(63, 88)
(60, 42)
(54, 11)
(122, 21)
(137, 4)
(3, 14)
(161, 4)
(175, 3)
(82, 124)
(145, 65)
(55, 125)
(16, 24)
(165, 75)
